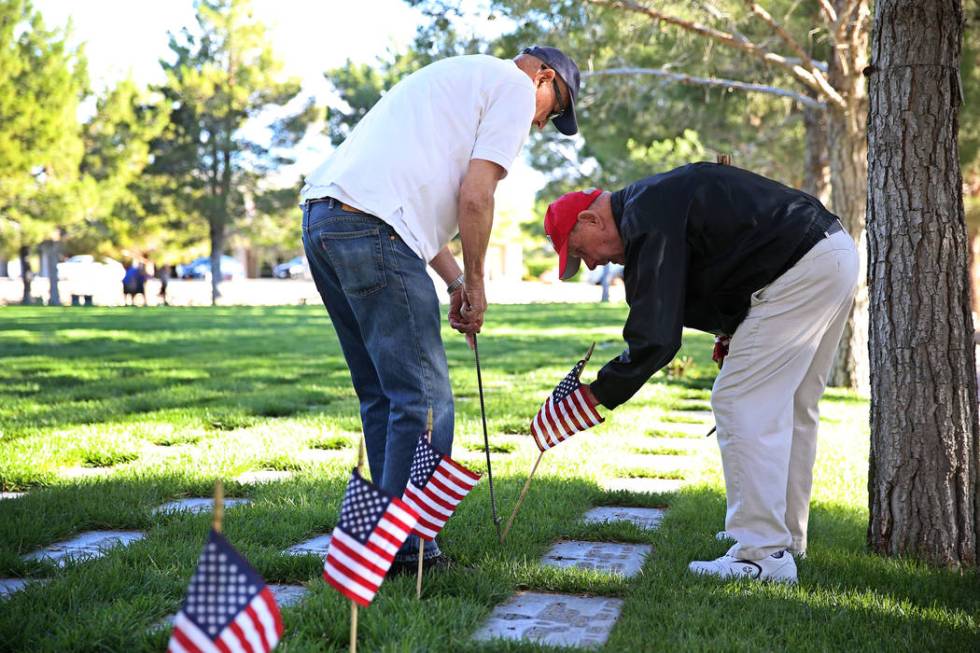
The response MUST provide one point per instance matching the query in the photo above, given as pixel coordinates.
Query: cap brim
(566, 123)
(571, 267)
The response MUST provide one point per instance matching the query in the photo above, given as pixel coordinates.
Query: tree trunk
(816, 170)
(975, 268)
(25, 274)
(49, 266)
(217, 246)
(847, 141)
(925, 440)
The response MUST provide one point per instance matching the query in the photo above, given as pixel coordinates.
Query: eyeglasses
(561, 109)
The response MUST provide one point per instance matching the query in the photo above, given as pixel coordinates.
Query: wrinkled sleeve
(655, 275)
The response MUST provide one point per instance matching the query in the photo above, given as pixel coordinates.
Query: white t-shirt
(405, 160)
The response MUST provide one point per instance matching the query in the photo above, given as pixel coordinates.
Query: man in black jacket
(720, 249)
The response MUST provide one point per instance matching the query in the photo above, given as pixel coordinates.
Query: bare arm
(445, 265)
(475, 222)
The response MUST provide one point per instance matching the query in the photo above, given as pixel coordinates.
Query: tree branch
(797, 71)
(828, 12)
(711, 81)
(793, 45)
(780, 32)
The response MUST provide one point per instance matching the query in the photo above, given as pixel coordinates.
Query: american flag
(228, 608)
(371, 529)
(566, 411)
(436, 485)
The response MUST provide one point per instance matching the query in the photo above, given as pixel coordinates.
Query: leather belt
(331, 202)
(351, 209)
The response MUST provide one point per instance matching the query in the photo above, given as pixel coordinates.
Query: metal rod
(486, 440)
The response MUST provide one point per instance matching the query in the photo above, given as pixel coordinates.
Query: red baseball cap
(558, 224)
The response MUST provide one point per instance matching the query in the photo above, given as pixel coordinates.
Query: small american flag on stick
(228, 607)
(436, 485)
(566, 411)
(371, 529)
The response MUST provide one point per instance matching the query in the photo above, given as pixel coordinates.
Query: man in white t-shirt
(422, 165)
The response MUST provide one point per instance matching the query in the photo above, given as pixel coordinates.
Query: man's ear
(590, 217)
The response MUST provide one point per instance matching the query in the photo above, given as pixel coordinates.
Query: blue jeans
(384, 308)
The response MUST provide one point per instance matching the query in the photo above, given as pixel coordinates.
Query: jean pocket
(357, 258)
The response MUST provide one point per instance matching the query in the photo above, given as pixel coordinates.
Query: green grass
(163, 400)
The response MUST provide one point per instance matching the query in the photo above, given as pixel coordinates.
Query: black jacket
(699, 241)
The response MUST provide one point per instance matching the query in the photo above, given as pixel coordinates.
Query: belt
(333, 202)
(823, 226)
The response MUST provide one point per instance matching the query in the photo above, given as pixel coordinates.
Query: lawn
(106, 414)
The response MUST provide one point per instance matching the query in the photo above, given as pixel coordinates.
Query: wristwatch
(455, 285)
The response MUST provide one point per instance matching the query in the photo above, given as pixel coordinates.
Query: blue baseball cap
(566, 69)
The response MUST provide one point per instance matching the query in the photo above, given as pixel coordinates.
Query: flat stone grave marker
(325, 455)
(11, 495)
(316, 546)
(196, 505)
(688, 445)
(286, 596)
(10, 585)
(646, 518)
(553, 619)
(610, 557)
(655, 462)
(80, 473)
(87, 545)
(264, 476)
(647, 485)
(700, 429)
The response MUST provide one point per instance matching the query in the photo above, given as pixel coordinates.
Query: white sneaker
(779, 567)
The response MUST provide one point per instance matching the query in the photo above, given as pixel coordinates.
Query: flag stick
(520, 499)
(486, 441)
(219, 505)
(353, 627)
(418, 578)
(361, 455)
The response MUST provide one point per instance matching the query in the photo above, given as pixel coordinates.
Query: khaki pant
(765, 397)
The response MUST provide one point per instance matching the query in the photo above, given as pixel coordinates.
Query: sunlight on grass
(143, 407)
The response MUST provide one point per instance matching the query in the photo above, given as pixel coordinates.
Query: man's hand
(720, 350)
(589, 395)
(474, 305)
(456, 319)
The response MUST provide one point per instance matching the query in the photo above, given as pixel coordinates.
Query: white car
(85, 268)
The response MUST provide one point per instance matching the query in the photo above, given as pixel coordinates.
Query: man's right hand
(474, 305)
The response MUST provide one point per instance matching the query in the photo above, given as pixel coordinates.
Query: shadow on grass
(111, 601)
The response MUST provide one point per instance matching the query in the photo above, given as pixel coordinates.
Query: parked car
(85, 268)
(595, 276)
(294, 268)
(200, 268)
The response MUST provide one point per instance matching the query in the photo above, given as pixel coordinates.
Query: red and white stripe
(557, 421)
(256, 629)
(357, 570)
(436, 502)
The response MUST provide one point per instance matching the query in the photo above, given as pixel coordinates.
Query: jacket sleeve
(655, 276)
